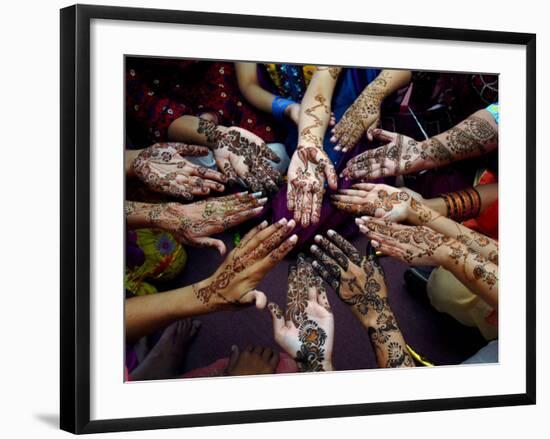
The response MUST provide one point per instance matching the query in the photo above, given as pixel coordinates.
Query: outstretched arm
(310, 166)
(403, 205)
(360, 283)
(364, 114)
(474, 136)
(421, 245)
(233, 284)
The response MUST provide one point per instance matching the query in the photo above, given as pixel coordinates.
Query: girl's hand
(381, 201)
(417, 245)
(239, 153)
(194, 223)
(306, 330)
(163, 168)
(234, 282)
(401, 155)
(359, 119)
(358, 280)
(307, 172)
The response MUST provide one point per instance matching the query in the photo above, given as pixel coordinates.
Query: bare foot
(165, 359)
(254, 360)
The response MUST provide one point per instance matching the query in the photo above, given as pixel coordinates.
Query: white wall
(29, 169)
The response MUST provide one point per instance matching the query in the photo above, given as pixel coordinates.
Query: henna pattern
(163, 168)
(311, 355)
(333, 71)
(306, 134)
(210, 130)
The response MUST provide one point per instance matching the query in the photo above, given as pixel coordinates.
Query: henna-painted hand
(258, 252)
(309, 167)
(359, 119)
(306, 330)
(358, 281)
(412, 244)
(239, 153)
(401, 155)
(163, 168)
(193, 223)
(381, 201)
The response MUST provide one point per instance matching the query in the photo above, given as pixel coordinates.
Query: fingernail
(331, 232)
(258, 209)
(317, 238)
(314, 248)
(363, 228)
(291, 224)
(262, 200)
(293, 238)
(282, 221)
(358, 221)
(256, 194)
(263, 224)
(233, 348)
(242, 194)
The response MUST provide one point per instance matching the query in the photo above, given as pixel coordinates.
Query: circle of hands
(241, 154)
(163, 168)
(309, 168)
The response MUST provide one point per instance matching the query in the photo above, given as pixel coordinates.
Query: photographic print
(296, 218)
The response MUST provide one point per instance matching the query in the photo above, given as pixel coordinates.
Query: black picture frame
(75, 217)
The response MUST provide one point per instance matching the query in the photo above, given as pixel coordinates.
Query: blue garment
(494, 109)
(350, 85)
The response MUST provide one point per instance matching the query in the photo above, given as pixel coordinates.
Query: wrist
(437, 205)
(445, 255)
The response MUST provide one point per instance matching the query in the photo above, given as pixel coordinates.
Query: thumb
(331, 176)
(205, 241)
(256, 297)
(277, 316)
(383, 135)
(191, 150)
(370, 130)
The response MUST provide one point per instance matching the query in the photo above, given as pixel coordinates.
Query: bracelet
(279, 105)
(462, 205)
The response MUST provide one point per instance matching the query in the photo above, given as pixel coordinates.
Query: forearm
(474, 136)
(386, 83)
(195, 130)
(477, 273)
(386, 337)
(140, 215)
(145, 314)
(315, 107)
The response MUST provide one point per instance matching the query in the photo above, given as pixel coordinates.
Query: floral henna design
(210, 130)
(306, 134)
(397, 356)
(163, 168)
(311, 355)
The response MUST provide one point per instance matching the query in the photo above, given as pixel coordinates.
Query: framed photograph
(272, 218)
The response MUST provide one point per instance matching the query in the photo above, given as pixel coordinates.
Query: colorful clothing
(158, 91)
(151, 255)
(494, 109)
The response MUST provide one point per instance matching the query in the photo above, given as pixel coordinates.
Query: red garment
(158, 91)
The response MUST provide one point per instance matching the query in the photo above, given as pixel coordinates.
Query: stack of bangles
(462, 205)
(279, 105)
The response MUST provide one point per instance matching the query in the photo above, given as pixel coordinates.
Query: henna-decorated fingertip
(317, 238)
(291, 224)
(331, 233)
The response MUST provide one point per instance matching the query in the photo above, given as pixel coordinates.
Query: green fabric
(164, 260)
